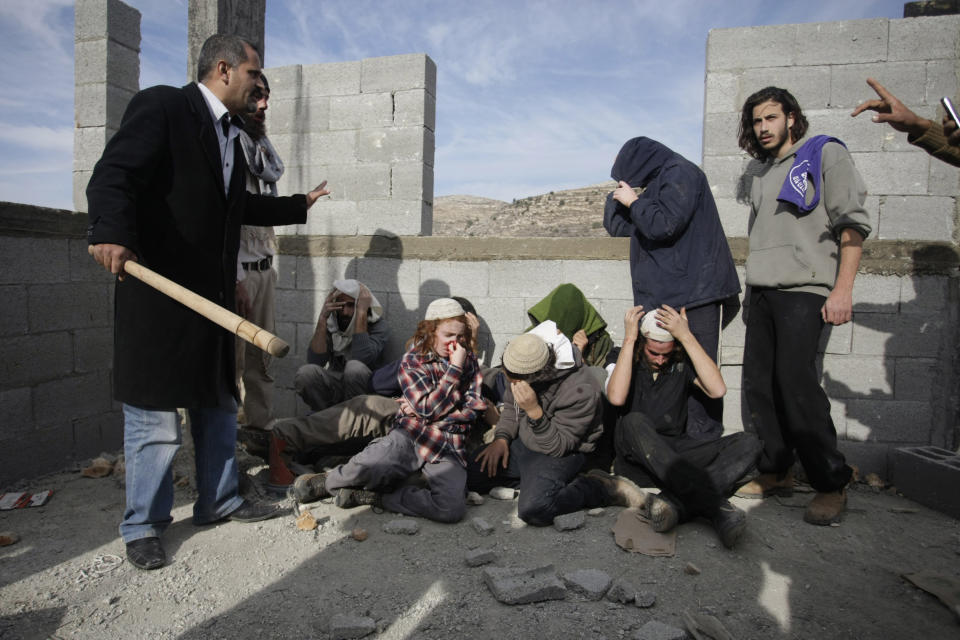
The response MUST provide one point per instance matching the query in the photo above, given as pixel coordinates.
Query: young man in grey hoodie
(807, 226)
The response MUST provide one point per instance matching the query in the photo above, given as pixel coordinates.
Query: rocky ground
(67, 576)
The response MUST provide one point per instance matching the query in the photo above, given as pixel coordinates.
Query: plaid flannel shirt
(445, 399)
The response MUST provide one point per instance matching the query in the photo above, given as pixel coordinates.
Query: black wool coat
(158, 190)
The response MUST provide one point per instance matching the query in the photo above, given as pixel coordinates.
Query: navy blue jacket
(678, 251)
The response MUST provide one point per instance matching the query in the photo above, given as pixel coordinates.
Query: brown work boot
(826, 508)
(309, 487)
(349, 498)
(662, 513)
(619, 492)
(768, 484)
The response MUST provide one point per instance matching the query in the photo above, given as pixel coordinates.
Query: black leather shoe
(146, 553)
(254, 512)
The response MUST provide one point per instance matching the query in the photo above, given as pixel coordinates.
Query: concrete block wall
(106, 75)
(56, 345)
(365, 126)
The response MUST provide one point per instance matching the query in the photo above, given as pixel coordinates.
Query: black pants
(549, 486)
(705, 414)
(697, 475)
(788, 409)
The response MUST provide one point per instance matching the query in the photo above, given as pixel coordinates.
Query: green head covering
(569, 308)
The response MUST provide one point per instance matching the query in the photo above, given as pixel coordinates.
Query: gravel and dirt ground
(67, 576)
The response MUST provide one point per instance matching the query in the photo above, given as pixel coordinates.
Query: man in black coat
(169, 193)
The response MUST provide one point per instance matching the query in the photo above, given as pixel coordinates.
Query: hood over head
(639, 161)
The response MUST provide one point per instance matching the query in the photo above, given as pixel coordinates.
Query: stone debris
(655, 630)
(621, 591)
(99, 468)
(596, 512)
(478, 557)
(514, 585)
(691, 569)
(875, 481)
(474, 498)
(345, 627)
(7, 538)
(306, 521)
(591, 583)
(481, 526)
(359, 534)
(503, 493)
(404, 526)
(569, 521)
(645, 599)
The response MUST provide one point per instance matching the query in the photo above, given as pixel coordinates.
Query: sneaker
(309, 487)
(350, 498)
(730, 522)
(618, 491)
(768, 484)
(826, 508)
(662, 514)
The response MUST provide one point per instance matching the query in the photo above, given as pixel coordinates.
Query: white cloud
(38, 138)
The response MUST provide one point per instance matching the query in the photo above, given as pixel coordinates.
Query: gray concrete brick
(13, 311)
(100, 18)
(599, 279)
(720, 134)
(102, 61)
(873, 293)
(502, 314)
(869, 457)
(83, 268)
(526, 278)
(80, 181)
(734, 217)
(925, 38)
(859, 134)
(16, 407)
(808, 84)
(286, 267)
(395, 144)
(365, 110)
(734, 333)
(411, 181)
(912, 378)
(722, 93)
(396, 73)
(69, 306)
(42, 451)
(893, 173)
(613, 312)
(590, 583)
(656, 630)
(928, 475)
(318, 274)
(389, 274)
(917, 218)
(328, 147)
(285, 83)
(429, 147)
(415, 107)
(284, 402)
(298, 305)
(467, 279)
(848, 41)
(393, 217)
(836, 339)
(357, 182)
(926, 295)
(858, 377)
(88, 144)
(732, 377)
(297, 115)
(521, 585)
(900, 335)
(941, 81)
(888, 420)
(93, 349)
(725, 174)
(480, 557)
(93, 434)
(31, 359)
(872, 205)
(21, 266)
(570, 521)
(331, 218)
(98, 104)
(330, 79)
(731, 355)
(76, 396)
(848, 82)
(943, 179)
(750, 47)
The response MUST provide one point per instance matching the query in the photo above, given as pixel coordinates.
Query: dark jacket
(158, 190)
(678, 251)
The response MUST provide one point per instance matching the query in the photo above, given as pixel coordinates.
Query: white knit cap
(650, 329)
(525, 354)
(443, 308)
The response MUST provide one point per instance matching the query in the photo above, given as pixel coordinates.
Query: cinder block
(858, 134)
(734, 217)
(331, 218)
(13, 311)
(731, 355)
(467, 279)
(925, 38)
(598, 279)
(917, 218)
(42, 451)
(75, 396)
(396, 73)
(894, 173)
(396, 144)
(502, 314)
(869, 457)
(294, 178)
(900, 335)
(722, 93)
(887, 420)
(93, 349)
(286, 267)
(848, 83)
(941, 80)
(285, 83)
(20, 264)
(810, 85)
(750, 47)
(732, 410)
(613, 311)
(83, 268)
(330, 147)
(836, 339)
(88, 144)
(429, 147)
(389, 274)
(365, 110)
(929, 475)
(874, 293)
(318, 274)
(97, 105)
(857, 377)
(80, 181)
(331, 79)
(93, 434)
(725, 174)
(16, 407)
(720, 134)
(524, 278)
(925, 295)
(106, 61)
(411, 181)
(734, 333)
(943, 180)
(415, 107)
(69, 306)
(297, 116)
(294, 305)
(391, 217)
(107, 18)
(357, 182)
(847, 41)
(914, 378)
(872, 205)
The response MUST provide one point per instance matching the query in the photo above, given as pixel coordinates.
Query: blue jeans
(151, 437)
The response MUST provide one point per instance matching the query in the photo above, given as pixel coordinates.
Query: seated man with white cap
(346, 345)
(552, 415)
(659, 364)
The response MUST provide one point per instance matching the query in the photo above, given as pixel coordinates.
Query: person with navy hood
(679, 254)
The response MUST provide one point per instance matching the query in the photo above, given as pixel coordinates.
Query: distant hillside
(570, 213)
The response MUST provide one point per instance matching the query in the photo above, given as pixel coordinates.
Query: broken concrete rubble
(523, 585)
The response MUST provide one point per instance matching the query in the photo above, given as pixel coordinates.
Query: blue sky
(531, 96)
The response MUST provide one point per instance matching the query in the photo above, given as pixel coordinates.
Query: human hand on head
(580, 339)
(674, 321)
(473, 323)
(330, 305)
(364, 298)
(631, 322)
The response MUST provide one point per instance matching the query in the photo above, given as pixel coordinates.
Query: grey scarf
(263, 161)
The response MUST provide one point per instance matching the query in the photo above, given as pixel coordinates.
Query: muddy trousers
(696, 475)
(788, 409)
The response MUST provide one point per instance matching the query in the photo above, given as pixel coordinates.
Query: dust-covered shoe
(662, 513)
(730, 522)
(768, 484)
(619, 491)
(826, 508)
(309, 487)
(350, 498)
